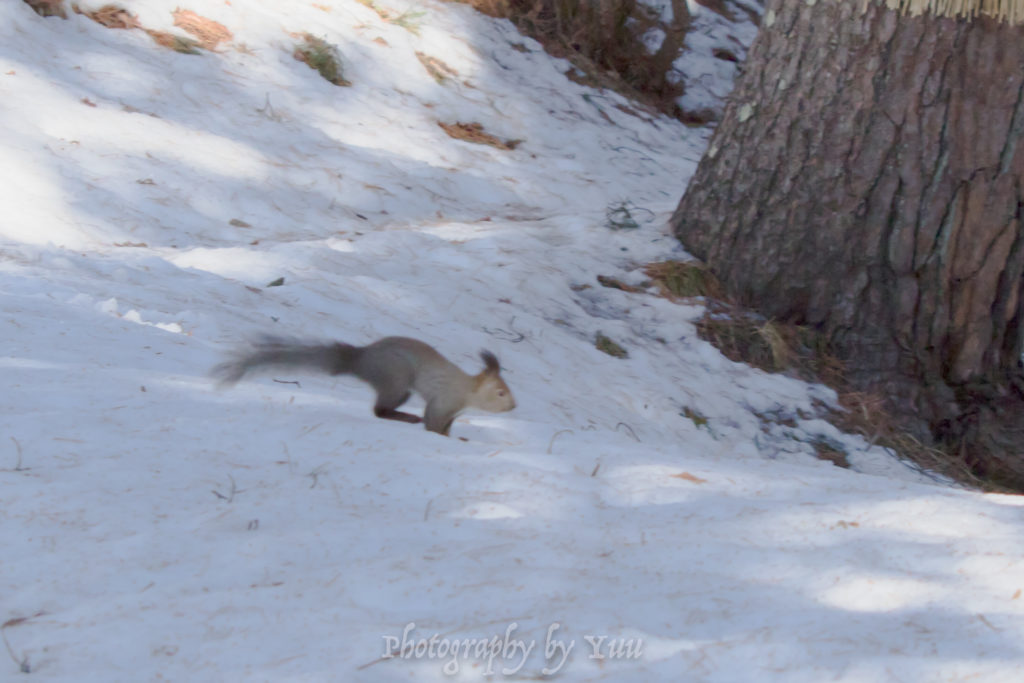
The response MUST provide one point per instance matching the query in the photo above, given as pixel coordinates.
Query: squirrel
(394, 367)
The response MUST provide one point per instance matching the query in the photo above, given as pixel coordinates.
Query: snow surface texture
(155, 529)
(716, 42)
(705, 68)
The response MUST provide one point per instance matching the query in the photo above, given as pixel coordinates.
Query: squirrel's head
(491, 393)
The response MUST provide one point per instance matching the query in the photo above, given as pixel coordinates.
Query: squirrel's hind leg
(385, 408)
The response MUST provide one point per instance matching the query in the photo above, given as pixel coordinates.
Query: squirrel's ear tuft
(490, 361)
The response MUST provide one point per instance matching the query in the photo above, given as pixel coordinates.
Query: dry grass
(776, 347)
(114, 16)
(615, 283)
(825, 450)
(208, 33)
(474, 132)
(320, 55)
(683, 279)
(110, 16)
(182, 44)
(674, 280)
(740, 335)
(48, 8)
(772, 346)
(868, 415)
(437, 69)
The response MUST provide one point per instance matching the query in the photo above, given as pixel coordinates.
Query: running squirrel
(394, 366)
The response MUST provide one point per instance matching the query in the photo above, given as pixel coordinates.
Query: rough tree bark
(867, 179)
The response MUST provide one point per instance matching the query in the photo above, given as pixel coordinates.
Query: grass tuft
(208, 33)
(410, 20)
(182, 44)
(770, 345)
(778, 347)
(606, 345)
(866, 414)
(698, 419)
(684, 279)
(474, 132)
(826, 450)
(320, 55)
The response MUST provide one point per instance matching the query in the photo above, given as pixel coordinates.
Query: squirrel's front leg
(439, 418)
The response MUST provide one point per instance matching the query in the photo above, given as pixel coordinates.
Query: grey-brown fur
(394, 367)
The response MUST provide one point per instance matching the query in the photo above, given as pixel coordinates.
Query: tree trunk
(660, 63)
(867, 179)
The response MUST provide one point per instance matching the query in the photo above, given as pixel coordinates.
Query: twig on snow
(231, 494)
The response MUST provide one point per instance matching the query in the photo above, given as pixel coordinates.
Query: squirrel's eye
(501, 392)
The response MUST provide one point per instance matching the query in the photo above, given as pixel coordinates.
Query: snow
(706, 76)
(156, 529)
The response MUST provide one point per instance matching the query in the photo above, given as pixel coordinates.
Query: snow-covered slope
(155, 529)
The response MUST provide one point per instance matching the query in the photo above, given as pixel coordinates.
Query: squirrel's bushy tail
(271, 353)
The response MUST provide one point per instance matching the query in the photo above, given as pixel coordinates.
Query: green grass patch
(318, 54)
